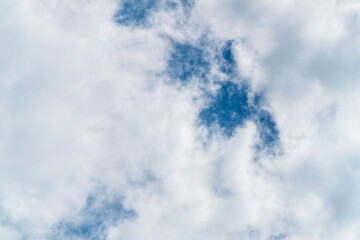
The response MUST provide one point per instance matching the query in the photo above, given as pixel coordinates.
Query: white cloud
(82, 100)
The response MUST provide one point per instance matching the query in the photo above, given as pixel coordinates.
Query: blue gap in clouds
(228, 109)
(227, 59)
(231, 107)
(93, 221)
(186, 62)
(266, 125)
(135, 12)
(174, 4)
(267, 129)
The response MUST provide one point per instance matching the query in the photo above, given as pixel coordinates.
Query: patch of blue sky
(266, 125)
(93, 221)
(186, 62)
(135, 12)
(231, 107)
(228, 109)
(267, 129)
(227, 59)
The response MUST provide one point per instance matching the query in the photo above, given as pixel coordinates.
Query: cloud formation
(178, 119)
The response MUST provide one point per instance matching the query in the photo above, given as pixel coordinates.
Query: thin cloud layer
(174, 119)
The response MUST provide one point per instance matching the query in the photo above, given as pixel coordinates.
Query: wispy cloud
(200, 119)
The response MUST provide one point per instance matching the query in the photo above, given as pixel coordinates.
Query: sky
(179, 119)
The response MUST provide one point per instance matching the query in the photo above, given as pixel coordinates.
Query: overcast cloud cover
(179, 119)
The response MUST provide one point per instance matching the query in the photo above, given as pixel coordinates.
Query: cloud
(93, 221)
(200, 119)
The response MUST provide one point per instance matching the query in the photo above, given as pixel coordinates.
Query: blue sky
(179, 119)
